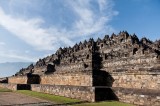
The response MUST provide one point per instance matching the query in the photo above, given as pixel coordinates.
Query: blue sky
(33, 29)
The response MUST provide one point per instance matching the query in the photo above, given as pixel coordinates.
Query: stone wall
(132, 65)
(74, 79)
(8, 86)
(4, 80)
(145, 97)
(134, 80)
(118, 61)
(78, 92)
(29, 79)
(140, 97)
(18, 80)
(66, 60)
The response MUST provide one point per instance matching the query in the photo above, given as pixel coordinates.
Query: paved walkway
(15, 99)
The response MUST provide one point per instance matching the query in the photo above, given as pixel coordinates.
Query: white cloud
(88, 22)
(30, 31)
(17, 57)
(27, 51)
(2, 43)
(92, 22)
(102, 4)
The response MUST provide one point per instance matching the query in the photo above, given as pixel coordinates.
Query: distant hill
(10, 68)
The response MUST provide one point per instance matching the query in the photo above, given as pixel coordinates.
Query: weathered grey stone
(122, 61)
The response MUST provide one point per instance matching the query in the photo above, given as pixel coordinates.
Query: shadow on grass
(5, 90)
(100, 103)
(66, 104)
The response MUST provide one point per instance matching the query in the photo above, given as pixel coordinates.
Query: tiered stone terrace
(120, 67)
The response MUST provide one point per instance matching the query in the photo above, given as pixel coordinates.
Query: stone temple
(120, 67)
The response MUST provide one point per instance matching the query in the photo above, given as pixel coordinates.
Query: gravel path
(15, 99)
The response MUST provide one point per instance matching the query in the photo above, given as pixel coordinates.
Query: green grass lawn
(73, 102)
(105, 103)
(64, 100)
(5, 90)
(53, 98)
